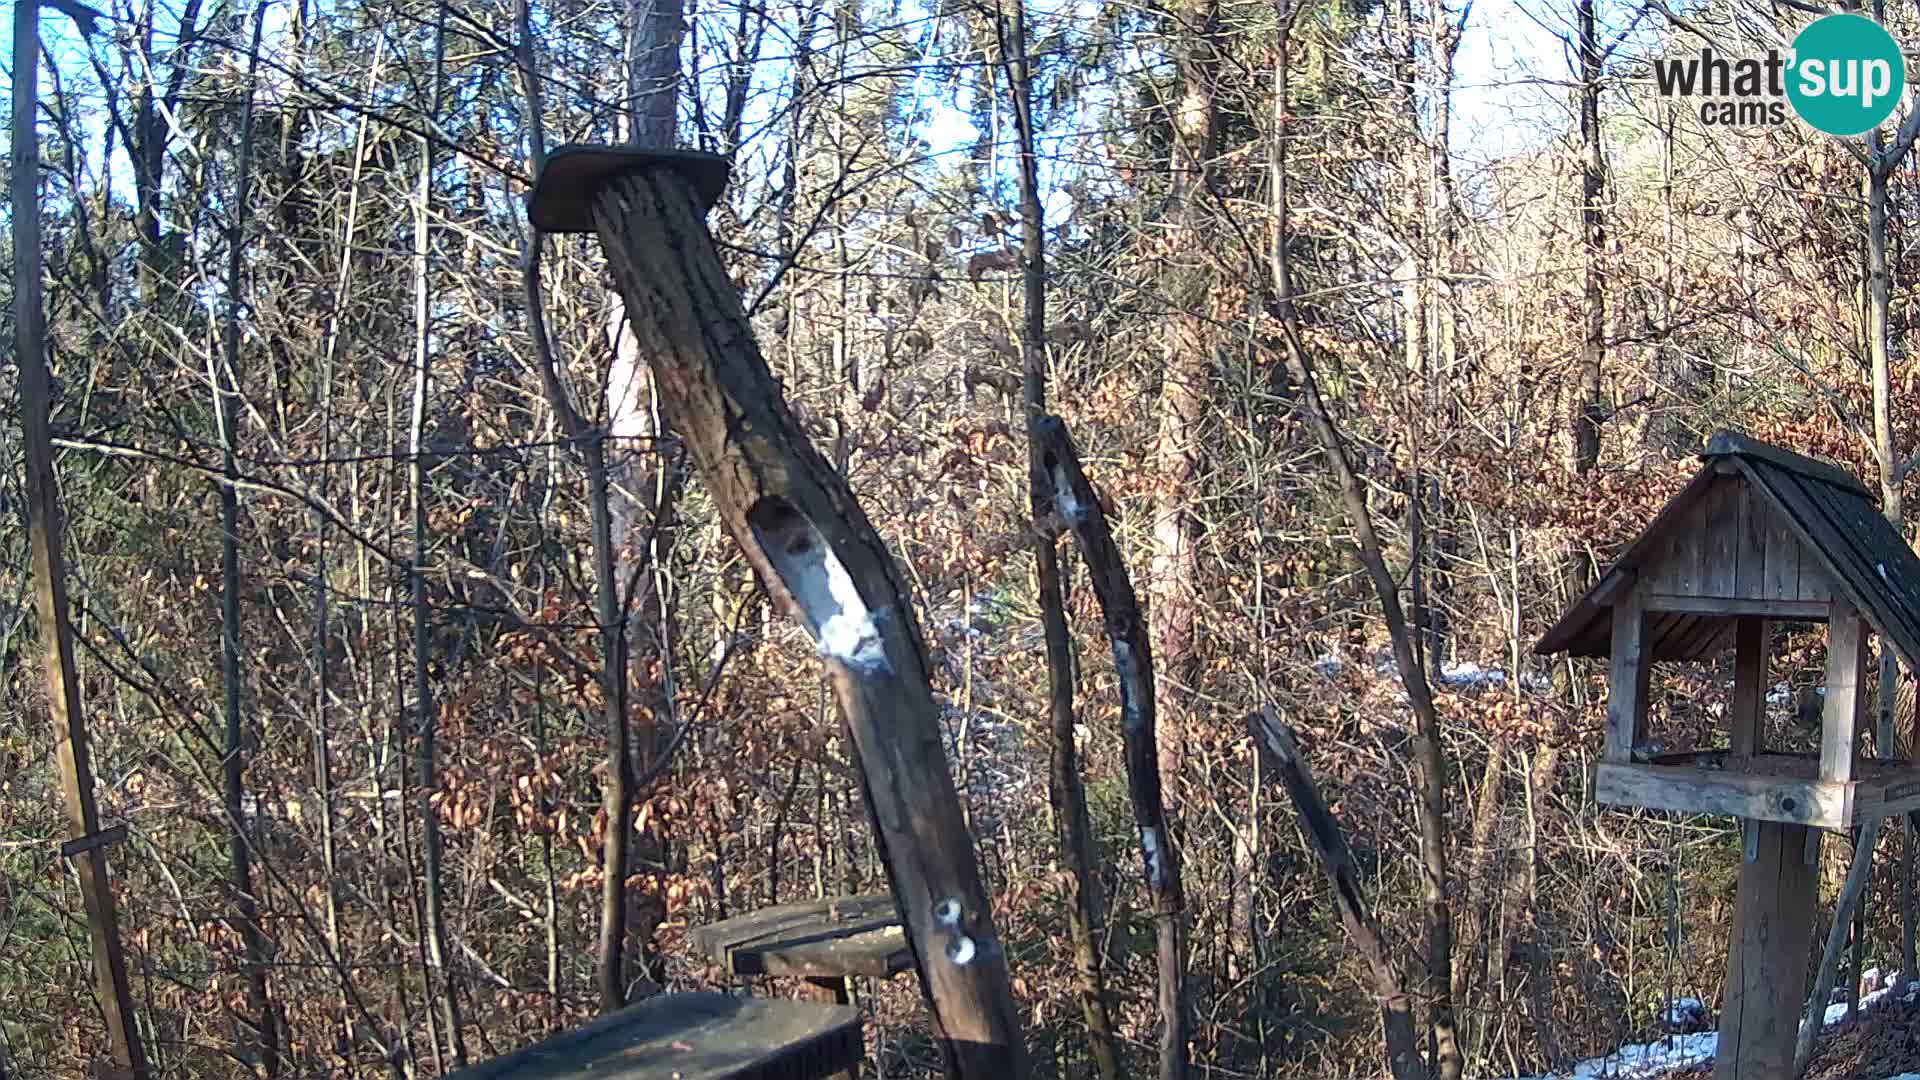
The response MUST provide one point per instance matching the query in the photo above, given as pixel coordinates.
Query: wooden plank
(1746, 714)
(1627, 674)
(835, 937)
(1896, 792)
(1753, 519)
(1077, 504)
(693, 1037)
(1719, 538)
(823, 563)
(1846, 690)
(1697, 790)
(1782, 560)
(1795, 610)
(80, 846)
(1767, 957)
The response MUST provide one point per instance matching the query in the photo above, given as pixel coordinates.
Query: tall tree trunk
(426, 714)
(44, 541)
(1429, 757)
(1172, 577)
(262, 1042)
(1589, 410)
(1064, 787)
(626, 475)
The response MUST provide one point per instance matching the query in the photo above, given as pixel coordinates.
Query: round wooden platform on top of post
(1760, 534)
(810, 543)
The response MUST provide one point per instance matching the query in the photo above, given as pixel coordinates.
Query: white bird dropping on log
(1069, 506)
(1150, 845)
(849, 634)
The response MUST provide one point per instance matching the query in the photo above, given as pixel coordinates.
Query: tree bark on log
(1396, 1008)
(1077, 505)
(805, 535)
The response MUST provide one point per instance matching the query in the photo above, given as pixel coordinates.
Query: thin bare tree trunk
(1067, 792)
(1173, 573)
(44, 539)
(262, 1042)
(1429, 759)
(426, 714)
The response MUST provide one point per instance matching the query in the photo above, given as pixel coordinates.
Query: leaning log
(806, 536)
(1323, 832)
(1079, 510)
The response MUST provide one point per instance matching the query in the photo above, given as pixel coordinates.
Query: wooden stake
(44, 526)
(806, 536)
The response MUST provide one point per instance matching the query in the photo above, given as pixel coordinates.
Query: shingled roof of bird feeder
(1841, 537)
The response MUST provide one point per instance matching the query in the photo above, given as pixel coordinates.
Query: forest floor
(1882, 1044)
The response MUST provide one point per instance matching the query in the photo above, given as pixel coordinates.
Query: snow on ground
(1640, 1061)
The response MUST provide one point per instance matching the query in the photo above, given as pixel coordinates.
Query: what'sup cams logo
(1843, 76)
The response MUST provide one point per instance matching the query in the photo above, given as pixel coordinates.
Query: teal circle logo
(1847, 74)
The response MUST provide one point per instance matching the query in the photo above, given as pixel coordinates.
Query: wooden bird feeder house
(1760, 534)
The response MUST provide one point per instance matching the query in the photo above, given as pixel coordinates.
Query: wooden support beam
(1700, 790)
(1794, 610)
(44, 541)
(1857, 874)
(1748, 714)
(1627, 674)
(1767, 957)
(807, 537)
(1846, 690)
(82, 845)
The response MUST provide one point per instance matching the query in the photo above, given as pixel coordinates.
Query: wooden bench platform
(693, 1037)
(816, 939)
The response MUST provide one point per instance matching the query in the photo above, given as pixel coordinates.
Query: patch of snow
(1643, 1060)
(1469, 674)
(960, 950)
(1327, 665)
(1685, 1015)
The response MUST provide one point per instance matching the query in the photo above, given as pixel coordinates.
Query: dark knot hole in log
(842, 625)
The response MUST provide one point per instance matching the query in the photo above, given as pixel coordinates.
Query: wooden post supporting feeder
(1759, 534)
(805, 535)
